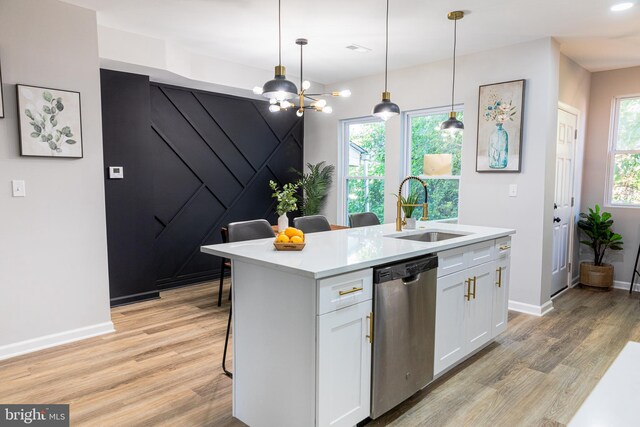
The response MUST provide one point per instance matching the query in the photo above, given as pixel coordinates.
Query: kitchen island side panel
(274, 346)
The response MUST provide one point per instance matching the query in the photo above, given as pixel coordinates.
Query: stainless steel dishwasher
(404, 331)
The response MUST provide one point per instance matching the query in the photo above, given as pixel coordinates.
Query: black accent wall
(193, 162)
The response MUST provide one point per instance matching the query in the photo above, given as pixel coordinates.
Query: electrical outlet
(513, 190)
(19, 189)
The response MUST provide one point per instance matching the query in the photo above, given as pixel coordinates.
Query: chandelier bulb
(257, 90)
(306, 84)
(274, 108)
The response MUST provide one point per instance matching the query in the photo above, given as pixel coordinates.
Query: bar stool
(363, 219)
(224, 264)
(635, 270)
(238, 232)
(312, 223)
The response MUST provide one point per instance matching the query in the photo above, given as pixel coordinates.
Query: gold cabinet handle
(350, 291)
(505, 247)
(370, 336)
(468, 294)
(474, 286)
(499, 282)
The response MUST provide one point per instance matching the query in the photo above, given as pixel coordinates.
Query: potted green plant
(596, 226)
(315, 186)
(286, 202)
(411, 199)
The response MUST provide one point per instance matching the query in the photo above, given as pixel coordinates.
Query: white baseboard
(40, 343)
(536, 310)
(619, 284)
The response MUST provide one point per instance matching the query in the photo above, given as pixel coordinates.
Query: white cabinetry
(471, 307)
(450, 339)
(501, 286)
(344, 349)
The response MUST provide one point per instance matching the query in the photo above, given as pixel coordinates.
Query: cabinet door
(501, 296)
(479, 308)
(450, 313)
(344, 366)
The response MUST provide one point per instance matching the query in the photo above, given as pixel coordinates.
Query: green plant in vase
(412, 199)
(287, 201)
(596, 225)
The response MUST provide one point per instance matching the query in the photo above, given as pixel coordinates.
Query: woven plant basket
(596, 276)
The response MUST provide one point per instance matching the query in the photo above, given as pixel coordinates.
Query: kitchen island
(302, 321)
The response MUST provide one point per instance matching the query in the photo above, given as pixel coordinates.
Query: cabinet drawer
(479, 253)
(451, 261)
(503, 247)
(344, 290)
(458, 259)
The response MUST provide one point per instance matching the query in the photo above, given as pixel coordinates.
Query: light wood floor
(162, 367)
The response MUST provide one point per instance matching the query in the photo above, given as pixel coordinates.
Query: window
(423, 136)
(363, 143)
(624, 153)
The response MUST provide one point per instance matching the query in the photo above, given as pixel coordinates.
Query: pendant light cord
(386, 53)
(279, 33)
(301, 73)
(453, 85)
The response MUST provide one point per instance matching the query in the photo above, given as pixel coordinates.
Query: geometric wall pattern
(213, 156)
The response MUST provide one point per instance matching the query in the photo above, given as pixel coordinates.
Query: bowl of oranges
(291, 239)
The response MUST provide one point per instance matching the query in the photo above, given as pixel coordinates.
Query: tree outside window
(425, 137)
(364, 141)
(624, 153)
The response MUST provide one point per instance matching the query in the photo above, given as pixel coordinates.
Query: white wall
(575, 87)
(53, 252)
(483, 197)
(169, 62)
(605, 86)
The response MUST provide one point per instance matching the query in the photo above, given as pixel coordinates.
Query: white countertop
(614, 400)
(340, 251)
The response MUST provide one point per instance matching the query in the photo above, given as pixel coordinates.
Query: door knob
(556, 219)
(555, 206)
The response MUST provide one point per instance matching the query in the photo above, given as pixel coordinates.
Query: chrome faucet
(425, 206)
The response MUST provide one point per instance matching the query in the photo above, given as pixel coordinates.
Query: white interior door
(563, 208)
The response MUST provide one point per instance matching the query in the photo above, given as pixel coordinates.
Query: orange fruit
(290, 231)
(282, 238)
(296, 239)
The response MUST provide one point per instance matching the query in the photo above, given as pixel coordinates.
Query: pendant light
(386, 109)
(279, 89)
(452, 124)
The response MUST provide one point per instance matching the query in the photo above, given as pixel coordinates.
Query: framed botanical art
(1, 96)
(500, 117)
(50, 122)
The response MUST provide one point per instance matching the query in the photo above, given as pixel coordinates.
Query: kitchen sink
(431, 236)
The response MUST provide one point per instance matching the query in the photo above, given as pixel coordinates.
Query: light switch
(513, 190)
(19, 189)
(116, 172)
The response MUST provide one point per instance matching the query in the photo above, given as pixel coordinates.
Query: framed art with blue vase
(500, 119)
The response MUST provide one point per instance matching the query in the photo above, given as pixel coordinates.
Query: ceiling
(245, 31)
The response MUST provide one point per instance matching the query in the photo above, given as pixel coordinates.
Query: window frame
(343, 159)
(406, 148)
(612, 151)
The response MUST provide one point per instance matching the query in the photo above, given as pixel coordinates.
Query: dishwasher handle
(409, 271)
(410, 280)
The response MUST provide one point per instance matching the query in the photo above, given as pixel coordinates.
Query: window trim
(405, 166)
(611, 152)
(343, 155)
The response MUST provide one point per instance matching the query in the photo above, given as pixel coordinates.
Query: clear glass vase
(498, 148)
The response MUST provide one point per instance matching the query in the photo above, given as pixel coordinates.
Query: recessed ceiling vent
(358, 48)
